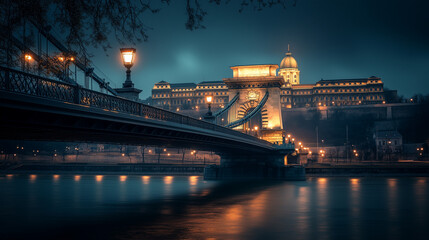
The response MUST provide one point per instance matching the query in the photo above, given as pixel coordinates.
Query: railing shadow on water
(15, 81)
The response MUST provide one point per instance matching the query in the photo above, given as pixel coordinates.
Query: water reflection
(193, 180)
(144, 207)
(146, 179)
(355, 207)
(421, 199)
(168, 180)
(123, 178)
(322, 202)
(232, 219)
(303, 207)
(99, 178)
(56, 177)
(77, 178)
(392, 205)
(257, 208)
(9, 176)
(33, 177)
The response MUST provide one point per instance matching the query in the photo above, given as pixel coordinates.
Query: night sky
(330, 39)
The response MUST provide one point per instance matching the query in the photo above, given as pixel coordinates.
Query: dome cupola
(289, 69)
(288, 61)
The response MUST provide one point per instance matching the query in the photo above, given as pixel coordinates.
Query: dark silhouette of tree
(85, 23)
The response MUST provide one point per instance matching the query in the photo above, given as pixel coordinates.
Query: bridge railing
(24, 83)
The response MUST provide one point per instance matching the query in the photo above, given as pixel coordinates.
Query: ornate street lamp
(209, 115)
(209, 100)
(128, 56)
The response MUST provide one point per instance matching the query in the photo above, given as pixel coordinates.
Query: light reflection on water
(145, 207)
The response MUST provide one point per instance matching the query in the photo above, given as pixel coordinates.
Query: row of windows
(349, 83)
(332, 98)
(224, 86)
(163, 95)
(287, 92)
(183, 89)
(189, 89)
(184, 101)
(383, 143)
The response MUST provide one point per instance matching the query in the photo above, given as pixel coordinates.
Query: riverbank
(110, 169)
(415, 169)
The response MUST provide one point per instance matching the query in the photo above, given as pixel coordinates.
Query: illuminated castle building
(293, 94)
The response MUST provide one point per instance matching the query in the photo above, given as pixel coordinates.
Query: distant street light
(128, 56)
(66, 60)
(28, 57)
(209, 115)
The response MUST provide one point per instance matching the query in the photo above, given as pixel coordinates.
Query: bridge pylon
(241, 166)
(258, 107)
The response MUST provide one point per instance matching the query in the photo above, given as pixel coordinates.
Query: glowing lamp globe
(128, 55)
(209, 99)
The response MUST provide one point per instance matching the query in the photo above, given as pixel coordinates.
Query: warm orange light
(77, 177)
(322, 180)
(33, 177)
(193, 180)
(168, 180)
(256, 128)
(168, 154)
(128, 55)
(122, 178)
(146, 179)
(61, 59)
(123, 154)
(99, 178)
(209, 99)
(56, 177)
(72, 59)
(354, 181)
(28, 57)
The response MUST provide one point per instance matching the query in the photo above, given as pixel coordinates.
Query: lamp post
(209, 115)
(66, 59)
(128, 90)
(128, 56)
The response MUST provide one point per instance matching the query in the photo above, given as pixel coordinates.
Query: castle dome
(288, 61)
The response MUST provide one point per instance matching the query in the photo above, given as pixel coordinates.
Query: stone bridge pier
(269, 166)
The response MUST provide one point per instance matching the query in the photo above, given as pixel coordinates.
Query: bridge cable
(88, 71)
(233, 100)
(251, 114)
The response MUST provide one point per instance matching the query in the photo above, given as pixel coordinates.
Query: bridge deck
(34, 107)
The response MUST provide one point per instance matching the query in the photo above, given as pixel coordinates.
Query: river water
(144, 207)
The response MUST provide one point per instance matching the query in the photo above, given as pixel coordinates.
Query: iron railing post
(7, 79)
(76, 94)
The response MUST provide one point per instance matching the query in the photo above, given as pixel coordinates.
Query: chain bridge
(39, 108)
